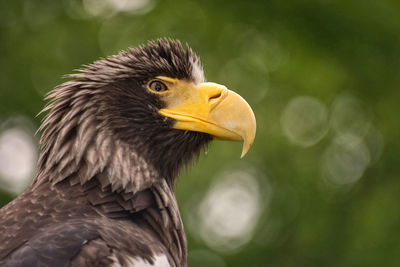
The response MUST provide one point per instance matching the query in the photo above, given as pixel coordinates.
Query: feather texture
(104, 191)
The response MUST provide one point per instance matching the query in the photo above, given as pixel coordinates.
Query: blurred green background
(320, 186)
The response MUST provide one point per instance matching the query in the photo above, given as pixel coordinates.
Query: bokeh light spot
(109, 8)
(229, 212)
(305, 120)
(350, 115)
(18, 156)
(345, 160)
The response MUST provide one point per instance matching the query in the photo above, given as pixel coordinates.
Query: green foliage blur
(324, 201)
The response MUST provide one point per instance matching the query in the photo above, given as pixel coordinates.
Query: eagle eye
(158, 86)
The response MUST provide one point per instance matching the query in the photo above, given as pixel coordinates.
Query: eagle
(114, 139)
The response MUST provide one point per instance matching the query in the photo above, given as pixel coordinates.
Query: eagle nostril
(215, 97)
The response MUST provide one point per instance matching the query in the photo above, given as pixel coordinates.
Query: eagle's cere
(112, 145)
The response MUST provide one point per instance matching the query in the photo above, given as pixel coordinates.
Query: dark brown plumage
(104, 191)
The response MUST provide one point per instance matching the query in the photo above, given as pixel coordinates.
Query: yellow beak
(212, 108)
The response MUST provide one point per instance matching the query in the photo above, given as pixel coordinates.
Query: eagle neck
(78, 149)
(76, 143)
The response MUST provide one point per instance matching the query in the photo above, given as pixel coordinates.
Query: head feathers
(105, 124)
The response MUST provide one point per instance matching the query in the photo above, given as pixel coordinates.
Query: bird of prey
(113, 141)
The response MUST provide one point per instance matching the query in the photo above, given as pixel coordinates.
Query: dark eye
(158, 86)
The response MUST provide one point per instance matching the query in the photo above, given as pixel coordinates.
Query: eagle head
(113, 141)
(138, 116)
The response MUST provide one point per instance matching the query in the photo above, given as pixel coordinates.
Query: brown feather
(104, 190)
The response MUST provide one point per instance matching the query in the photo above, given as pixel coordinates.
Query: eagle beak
(212, 108)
